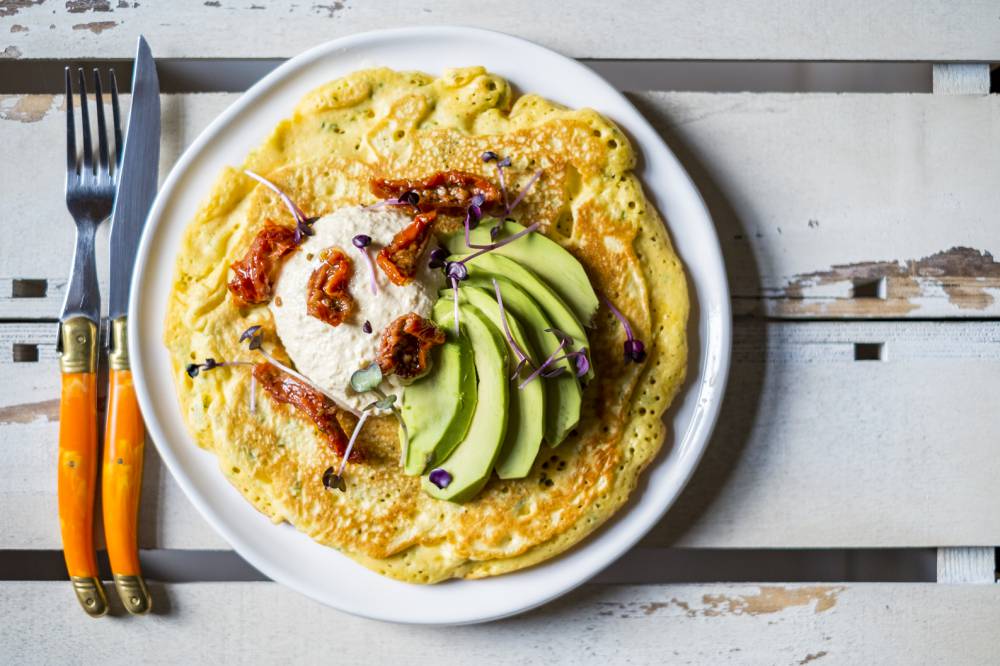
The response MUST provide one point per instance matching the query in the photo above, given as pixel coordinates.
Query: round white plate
(291, 558)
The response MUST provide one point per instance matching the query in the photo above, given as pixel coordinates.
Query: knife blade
(124, 442)
(138, 178)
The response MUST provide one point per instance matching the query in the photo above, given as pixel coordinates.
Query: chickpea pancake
(519, 397)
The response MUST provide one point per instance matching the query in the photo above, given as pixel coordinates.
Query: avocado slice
(491, 265)
(437, 409)
(526, 425)
(550, 260)
(471, 462)
(562, 393)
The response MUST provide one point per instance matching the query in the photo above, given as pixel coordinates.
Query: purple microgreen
(438, 257)
(303, 224)
(521, 356)
(367, 326)
(194, 369)
(579, 359)
(332, 481)
(524, 190)
(473, 215)
(409, 198)
(363, 249)
(361, 240)
(254, 335)
(517, 369)
(545, 364)
(495, 231)
(477, 200)
(440, 478)
(562, 335)
(350, 444)
(457, 270)
(501, 164)
(500, 243)
(366, 379)
(454, 295)
(490, 156)
(635, 350)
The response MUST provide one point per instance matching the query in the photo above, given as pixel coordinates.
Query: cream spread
(327, 354)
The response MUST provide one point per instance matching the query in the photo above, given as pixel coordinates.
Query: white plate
(286, 555)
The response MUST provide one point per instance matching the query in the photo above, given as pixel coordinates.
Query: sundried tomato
(254, 276)
(405, 345)
(448, 192)
(328, 298)
(317, 407)
(400, 259)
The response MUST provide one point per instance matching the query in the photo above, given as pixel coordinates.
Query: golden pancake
(408, 125)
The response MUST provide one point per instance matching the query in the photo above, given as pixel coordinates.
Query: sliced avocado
(562, 393)
(471, 463)
(526, 425)
(550, 260)
(491, 265)
(437, 409)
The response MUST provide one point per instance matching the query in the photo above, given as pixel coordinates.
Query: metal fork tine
(88, 152)
(102, 132)
(70, 128)
(118, 121)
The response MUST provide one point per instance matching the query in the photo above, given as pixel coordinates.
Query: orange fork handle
(124, 441)
(77, 480)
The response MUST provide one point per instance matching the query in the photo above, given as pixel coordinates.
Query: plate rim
(712, 368)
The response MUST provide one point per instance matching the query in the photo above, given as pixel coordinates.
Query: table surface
(853, 225)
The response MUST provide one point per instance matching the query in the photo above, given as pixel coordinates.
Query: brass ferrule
(78, 342)
(134, 594)
(118, 356)
(90, 594)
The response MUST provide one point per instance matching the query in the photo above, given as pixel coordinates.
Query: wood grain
(822, 211)
(239, 623)
(814, 449)
(645, 29)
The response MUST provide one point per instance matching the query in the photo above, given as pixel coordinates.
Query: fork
(90, 193)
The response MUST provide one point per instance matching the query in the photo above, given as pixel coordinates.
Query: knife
(124, 435)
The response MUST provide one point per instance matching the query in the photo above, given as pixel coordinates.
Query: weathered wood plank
(645, 29)
(826, 205)
(814, 449)
(961, 79)
(680, 624)
(966, 565)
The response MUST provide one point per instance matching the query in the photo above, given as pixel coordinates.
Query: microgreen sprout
(193, 369)
(522, 357)
(440, 478)
(367, 326)
(634, 348)
(254, 338)
(303, 224)
(437, 257)
(361, 242)
(368, 380)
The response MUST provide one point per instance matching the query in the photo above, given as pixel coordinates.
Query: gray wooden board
(239, 623)
(813, 449)
(645, 29)
(816, 201)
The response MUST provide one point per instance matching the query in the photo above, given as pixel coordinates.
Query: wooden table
(858, 231)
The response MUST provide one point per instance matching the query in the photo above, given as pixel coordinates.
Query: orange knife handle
(78, 460)
(124, 441)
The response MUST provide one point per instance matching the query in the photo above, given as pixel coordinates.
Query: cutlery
(90, 191)
(124, 433)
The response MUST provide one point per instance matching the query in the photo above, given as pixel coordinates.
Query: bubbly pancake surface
(408, 125)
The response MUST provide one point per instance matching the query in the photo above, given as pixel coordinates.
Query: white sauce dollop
(326, 354)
